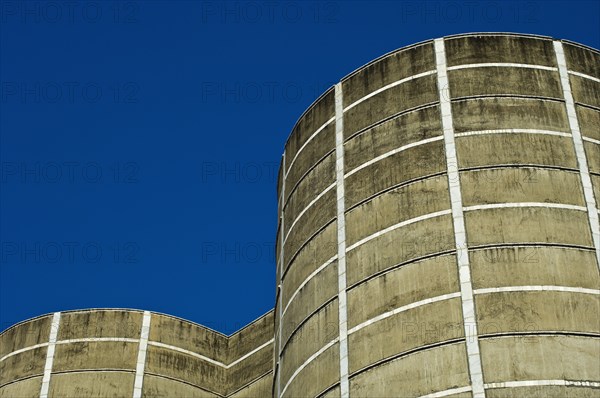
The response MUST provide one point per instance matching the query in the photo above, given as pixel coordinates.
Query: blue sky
(140, 141)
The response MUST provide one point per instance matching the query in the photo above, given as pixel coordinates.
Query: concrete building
(438, 237)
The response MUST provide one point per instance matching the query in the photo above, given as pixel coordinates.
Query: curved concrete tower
(438, 237)
(439, 227)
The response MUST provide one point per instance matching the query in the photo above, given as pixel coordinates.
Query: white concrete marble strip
(538, 288)
(313, 135)
(308, 278)
(403, 309)
(341, 237)
(579, 150)
(464, 271)
(141, 359)
(501, 65)
(22, 350)
(513, 131)
(305, 364)
(591, 140)
(530, 383)
(392, 152)
(246, 356)
(207, 359)
(398, 225)
(571, 72)
(446, 393)
(308, 206)
(525, 204)
(277, 350)
(54, 326)
(71, 341)
(386, 87)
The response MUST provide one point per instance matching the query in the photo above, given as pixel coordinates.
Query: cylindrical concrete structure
(130, 353)
(439, 226)
(438, 237)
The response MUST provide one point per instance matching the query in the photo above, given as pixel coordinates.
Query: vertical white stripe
(280, 282)
(341, 235)
(50, 355)
(586, 181)
(141, 359)
(462, 253)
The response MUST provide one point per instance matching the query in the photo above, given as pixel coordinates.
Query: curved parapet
(131, 353)
(439, 225)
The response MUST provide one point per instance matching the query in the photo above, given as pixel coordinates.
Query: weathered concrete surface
(531, 242)
(96, 354)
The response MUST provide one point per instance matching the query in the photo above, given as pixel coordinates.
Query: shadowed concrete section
(480, 191)
(96, 353)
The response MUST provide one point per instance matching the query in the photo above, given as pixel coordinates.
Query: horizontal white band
(530, 383)
(525, 204)
(254, 351)
(33, 347)
(388, 86)
(308, 278)
(538, 288)
(591, 140)
(312, 202)
(393, 152)
(402, 309)
(513, 131)
(446, 393)
(502, 64)
(286, 172)
(128, 340)
(399, 225)
(207, 359)
(584, 76)
(309, 360)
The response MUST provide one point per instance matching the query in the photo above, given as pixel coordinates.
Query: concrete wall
(438, 235)
(97, 354)
(400, 300)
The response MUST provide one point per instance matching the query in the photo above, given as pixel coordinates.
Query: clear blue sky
(140, 140)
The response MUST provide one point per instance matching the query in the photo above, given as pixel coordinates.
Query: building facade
(439, 236)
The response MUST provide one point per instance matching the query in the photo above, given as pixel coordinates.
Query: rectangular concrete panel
(524, 149)
(424, 372)
(405, 129)
(28, 388)
(582, 60)
(589, 122)
(411, 164)
(183, 334)
(523, 184)
(535, 311)
(417, 327)
(320, 329)
(391, 68)
(504, 81)
(22, 365)
(92, 384)
(95, 355)
(400, 204)
(499, 48)
(540, 358)
(317, 115)
(392, 248)
(318, 375)
(77, 325)
(402, 286)
(479, 114)
(534, 266)
(528, 224)
(25, 335)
